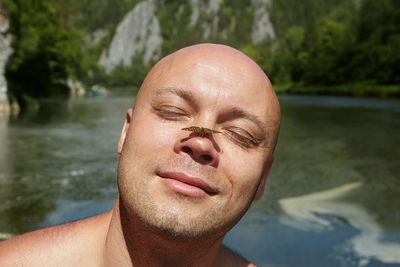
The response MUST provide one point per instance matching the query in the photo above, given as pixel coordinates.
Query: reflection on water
(332, 197)
(326, 143)
(305, 212)
(64, 153)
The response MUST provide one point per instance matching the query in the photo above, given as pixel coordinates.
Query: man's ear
(125, 128)
(261, 186)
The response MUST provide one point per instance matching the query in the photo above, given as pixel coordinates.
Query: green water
(332, 198)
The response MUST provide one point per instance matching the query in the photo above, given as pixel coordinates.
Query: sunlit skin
(195, 151)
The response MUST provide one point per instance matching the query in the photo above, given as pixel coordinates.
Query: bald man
(195, 151)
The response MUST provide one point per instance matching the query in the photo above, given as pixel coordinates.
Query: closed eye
(170, 112)
(242, 137)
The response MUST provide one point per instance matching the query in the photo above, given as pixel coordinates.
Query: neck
(131, 243)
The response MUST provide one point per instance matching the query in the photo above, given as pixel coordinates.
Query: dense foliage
(44, 52)
(343, 44)
(325, 44)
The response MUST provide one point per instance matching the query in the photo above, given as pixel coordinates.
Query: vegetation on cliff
(45, 53)
(324, 47)
(347, 45)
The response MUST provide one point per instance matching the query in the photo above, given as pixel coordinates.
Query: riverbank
(131, 88)
(359, 89)
(363, 90)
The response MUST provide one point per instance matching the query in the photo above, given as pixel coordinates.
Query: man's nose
(202, 149)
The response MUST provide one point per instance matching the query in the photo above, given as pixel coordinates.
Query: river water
(332, 198)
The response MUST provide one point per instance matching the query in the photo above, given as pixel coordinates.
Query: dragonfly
(201, 131)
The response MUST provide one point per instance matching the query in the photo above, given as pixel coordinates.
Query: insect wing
(193, 129)
(209, 131)
(200, 130)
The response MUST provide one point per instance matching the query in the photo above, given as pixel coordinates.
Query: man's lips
(187, 185)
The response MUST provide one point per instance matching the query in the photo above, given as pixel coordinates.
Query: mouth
(187, 185)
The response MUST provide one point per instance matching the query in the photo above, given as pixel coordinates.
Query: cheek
(145, 142)
(150, 134)
(244, 174)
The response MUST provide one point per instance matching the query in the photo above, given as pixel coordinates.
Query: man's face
(188, 185)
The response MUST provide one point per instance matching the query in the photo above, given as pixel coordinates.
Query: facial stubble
(177, 217)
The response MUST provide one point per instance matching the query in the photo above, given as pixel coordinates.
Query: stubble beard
(175, 219)
(172, 222)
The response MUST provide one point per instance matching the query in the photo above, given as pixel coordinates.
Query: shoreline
(359, 90)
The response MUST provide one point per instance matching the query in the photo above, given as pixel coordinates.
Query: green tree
(174, 18)
(235, 22)
(328, 55)
(290, 58)
(377, 55)
(43, 50)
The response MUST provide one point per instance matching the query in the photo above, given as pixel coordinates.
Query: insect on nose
(199, 147)
(201, 131)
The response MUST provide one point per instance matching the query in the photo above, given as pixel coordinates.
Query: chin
(185, 228)
(177, 220)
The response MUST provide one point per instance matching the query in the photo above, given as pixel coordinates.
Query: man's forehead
(246, 84)
(212, 57)
(222, 73)
(215, 58)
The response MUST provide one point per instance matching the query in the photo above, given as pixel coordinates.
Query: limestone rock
(262, 25)
(5, 52)
(210, 10)
(139, 32)
(95, 37)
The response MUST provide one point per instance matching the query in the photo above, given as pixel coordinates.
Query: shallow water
(332, 198)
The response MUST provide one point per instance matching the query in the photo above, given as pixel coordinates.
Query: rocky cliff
(5, 52)
(210, 10)
(262, 25)
(140, 30)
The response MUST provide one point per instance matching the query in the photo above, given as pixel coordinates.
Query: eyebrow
(184, 94)
(236, 113)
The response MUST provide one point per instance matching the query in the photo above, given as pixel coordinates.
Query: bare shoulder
(55, 244)
(227, 257)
